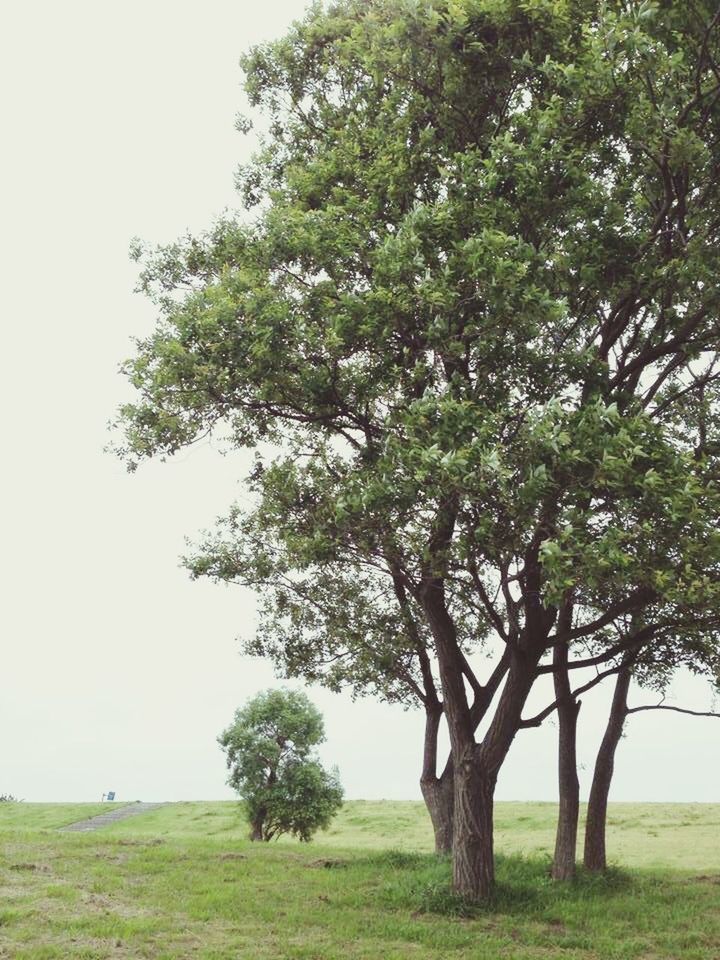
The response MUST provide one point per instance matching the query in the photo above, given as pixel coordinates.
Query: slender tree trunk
(439, 797)
(563, 867)
(438, 793)
(595, 858)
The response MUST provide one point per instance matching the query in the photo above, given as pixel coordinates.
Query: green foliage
(269, 749)
(304, 799)
(470, 319)
(481, 273)
(345, 629)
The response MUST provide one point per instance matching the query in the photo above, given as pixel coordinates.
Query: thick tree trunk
(439, 797)
(475, 778)
(473, 855)
(256, 829)
(477, 765)
(595, 857)
(563, 867)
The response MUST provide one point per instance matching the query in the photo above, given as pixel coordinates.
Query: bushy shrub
(270, 756)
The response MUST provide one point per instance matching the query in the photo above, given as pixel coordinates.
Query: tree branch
(487, 602)
(666, 706)
(630, 603)
(538, 719)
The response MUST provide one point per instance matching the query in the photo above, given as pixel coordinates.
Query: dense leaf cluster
(471, 313)
(269, 749)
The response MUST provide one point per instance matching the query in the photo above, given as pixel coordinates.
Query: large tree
(479, 277)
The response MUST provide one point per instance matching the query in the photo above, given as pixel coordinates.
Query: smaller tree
(272, 766)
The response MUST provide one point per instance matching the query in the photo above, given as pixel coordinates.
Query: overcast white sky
(118, 672)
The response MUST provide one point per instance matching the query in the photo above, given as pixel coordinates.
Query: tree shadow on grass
(524, 885)
(524, 888)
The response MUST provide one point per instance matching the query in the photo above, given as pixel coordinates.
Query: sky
(118, 671)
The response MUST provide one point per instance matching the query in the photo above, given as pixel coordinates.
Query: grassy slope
(681, 836)
(48, 816)
(183, 882)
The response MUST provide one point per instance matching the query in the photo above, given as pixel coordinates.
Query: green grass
(182, 881)
(39, 816)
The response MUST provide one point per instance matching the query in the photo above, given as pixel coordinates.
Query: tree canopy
(473, 310)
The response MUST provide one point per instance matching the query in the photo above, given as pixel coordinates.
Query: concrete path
(112, 816)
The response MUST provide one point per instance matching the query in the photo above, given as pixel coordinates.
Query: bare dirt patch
(113, 858)
(154, 842)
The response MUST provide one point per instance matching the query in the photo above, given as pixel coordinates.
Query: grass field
(182, 881)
